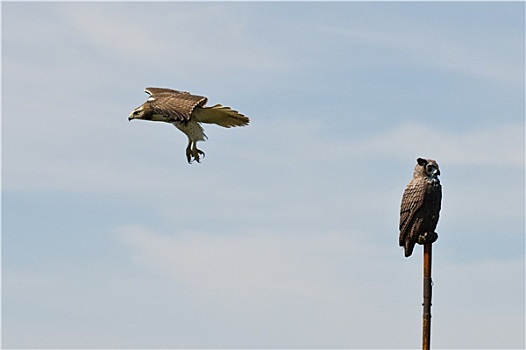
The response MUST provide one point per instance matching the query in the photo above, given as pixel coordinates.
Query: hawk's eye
(136, 112)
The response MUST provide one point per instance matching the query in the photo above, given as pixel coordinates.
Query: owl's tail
(220, 115)
(408, 248)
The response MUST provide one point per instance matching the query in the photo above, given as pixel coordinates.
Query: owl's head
(427, 168)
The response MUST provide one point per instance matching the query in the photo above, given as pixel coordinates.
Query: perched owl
(420, 206)
(186, 112)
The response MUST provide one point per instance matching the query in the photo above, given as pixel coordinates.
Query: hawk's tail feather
(220, 115)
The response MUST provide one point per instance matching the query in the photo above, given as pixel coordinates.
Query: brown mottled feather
(156, 90)
(419, 210)
(178, 106)
(412, 201)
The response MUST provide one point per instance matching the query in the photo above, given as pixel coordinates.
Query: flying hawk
(420, 206)
(186, 112)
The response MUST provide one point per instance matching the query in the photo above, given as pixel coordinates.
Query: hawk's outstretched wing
(175, 104)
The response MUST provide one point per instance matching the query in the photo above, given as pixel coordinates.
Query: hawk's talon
(201, 153)
(193, 153)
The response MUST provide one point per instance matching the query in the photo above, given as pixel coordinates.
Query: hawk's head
(147, 112)
(137, 113)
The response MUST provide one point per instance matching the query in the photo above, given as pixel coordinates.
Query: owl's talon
(427, 238)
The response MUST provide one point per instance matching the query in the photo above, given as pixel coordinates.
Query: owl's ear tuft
(421, 161)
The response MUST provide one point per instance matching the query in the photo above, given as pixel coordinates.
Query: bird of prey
(186, 112)
(420, 206)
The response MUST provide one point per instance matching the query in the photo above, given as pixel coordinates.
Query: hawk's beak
(130, 117)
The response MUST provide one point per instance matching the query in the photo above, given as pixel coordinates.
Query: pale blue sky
(285, 236)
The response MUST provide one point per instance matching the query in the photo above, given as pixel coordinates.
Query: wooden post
(426, 318)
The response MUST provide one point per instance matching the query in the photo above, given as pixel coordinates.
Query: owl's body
(420, 206)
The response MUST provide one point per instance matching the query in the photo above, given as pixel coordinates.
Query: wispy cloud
(448, 46)
(266, 278)
(320, 285)
(128, 32)
(253, 264)
(427, 48)
(501, 146)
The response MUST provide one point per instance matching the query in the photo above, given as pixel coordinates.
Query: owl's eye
(431, 169)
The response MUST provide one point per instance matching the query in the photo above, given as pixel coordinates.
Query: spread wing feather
(177, 105)
(154, 90)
